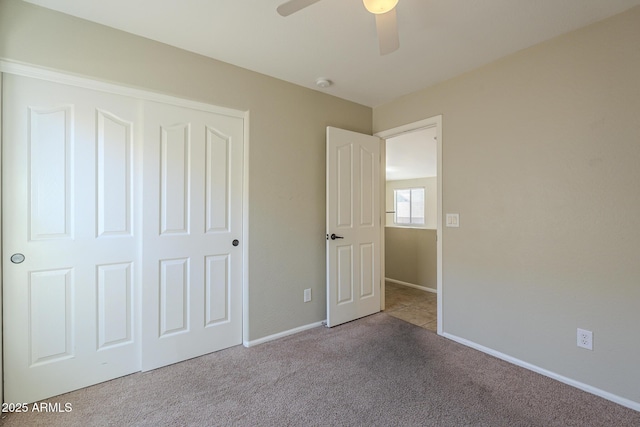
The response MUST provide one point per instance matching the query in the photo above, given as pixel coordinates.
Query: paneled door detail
(68, 215)
(353, 225)
(193, 214)
(121, 234)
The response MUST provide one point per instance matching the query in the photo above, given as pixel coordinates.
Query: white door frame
(8, 67)
(431, 122)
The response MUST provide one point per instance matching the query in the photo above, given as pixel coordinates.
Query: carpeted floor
(377, 371)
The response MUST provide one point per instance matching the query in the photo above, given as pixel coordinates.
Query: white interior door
(69, 218)
(353, 225)
(193, 215)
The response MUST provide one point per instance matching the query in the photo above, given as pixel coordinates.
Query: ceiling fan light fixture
(379, 6)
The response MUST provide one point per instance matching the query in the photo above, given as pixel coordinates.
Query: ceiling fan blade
(387, 27)
(292, 6)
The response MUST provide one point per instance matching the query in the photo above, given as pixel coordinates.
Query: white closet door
(192, 287)
(69, 238)
(73, 216)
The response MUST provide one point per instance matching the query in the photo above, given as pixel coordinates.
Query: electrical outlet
(307, 295)
(585, 339)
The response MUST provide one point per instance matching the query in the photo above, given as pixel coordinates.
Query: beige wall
(287, 143)
(541, 158)
(410, 256)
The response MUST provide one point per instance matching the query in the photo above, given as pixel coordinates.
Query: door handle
(17, 258)
(334, 237)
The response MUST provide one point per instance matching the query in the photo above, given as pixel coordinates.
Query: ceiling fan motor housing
(379, 6)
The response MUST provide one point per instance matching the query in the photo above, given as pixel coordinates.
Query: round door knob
(17, 258)
(235, 242)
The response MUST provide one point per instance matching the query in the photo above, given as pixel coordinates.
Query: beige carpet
(377, 371)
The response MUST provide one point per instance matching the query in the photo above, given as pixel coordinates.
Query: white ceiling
(412, 155)
(336, 39)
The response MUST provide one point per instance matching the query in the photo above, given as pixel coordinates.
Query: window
(409, 206)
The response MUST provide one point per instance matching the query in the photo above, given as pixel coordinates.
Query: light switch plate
(452, 220)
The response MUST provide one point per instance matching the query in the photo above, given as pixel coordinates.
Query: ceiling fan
(384, 10)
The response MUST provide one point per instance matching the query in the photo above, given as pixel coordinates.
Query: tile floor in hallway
(411, 305)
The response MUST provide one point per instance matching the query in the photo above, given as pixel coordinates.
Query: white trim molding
(283, 334)
(573, 383)
(246, 323)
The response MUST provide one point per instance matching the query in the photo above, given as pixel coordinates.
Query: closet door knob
(17, 258)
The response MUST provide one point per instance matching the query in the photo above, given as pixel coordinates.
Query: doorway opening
(412, 228)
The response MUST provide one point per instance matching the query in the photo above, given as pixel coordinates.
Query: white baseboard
(282, 334)
(411, 285)
(577, 384)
